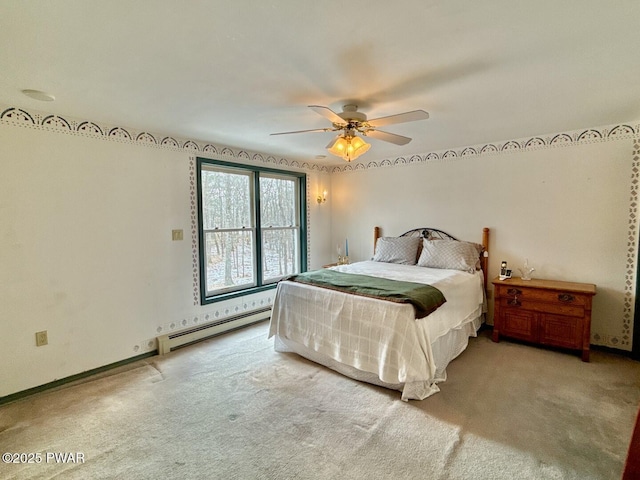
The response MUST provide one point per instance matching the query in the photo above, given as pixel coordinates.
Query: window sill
(237, 293)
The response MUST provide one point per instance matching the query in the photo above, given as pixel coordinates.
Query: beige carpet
(232, 408)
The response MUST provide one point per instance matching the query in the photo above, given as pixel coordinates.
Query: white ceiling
(232, 72)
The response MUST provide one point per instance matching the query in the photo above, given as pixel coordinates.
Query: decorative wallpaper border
(20, 117)
(591, 135)
(632, 250)
(195, 250)
(52, 122)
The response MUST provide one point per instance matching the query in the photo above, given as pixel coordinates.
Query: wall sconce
(321, 198)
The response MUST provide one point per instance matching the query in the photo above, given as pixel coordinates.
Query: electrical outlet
(41, 338)
(176, 235)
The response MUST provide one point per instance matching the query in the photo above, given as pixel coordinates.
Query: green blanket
(424, 298)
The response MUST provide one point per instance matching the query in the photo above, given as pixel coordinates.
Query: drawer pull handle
(514, 302)
(566, 297)
(514, 291)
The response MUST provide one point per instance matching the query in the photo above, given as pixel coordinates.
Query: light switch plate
(41, 338)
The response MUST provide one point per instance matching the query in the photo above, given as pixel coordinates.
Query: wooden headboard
(431, 233)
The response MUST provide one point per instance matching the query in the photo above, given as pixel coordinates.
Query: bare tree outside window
(279, 227)
(228, 224)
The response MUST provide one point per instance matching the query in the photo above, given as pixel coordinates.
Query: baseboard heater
(174, 340)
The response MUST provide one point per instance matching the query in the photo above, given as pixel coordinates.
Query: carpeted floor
(232, 408)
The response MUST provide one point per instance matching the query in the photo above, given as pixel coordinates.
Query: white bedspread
(377, 336)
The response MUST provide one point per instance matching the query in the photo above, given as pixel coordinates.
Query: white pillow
(402, 250)
(451, 254)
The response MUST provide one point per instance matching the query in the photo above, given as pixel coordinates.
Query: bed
(384, 341)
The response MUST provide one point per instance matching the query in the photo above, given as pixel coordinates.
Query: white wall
(565, 208)
(86, 251)
(319, 230)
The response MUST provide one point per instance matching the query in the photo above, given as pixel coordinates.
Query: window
(251, 222)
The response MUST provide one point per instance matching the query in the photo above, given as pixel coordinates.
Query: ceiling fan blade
(399, 118)
(306, 131)
(388, 137)
(329, 114)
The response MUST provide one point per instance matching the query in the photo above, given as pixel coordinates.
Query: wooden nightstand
(546, 312)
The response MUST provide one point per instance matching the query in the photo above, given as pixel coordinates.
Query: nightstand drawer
(538, 295)
(531, 304)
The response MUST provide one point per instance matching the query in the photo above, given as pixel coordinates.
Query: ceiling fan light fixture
(348, 147)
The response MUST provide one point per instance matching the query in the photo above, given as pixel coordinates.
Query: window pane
(279, 253)
(277, 201)
(229, 260)
(226, 199)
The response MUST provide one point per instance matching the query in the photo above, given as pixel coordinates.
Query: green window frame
(252, 227)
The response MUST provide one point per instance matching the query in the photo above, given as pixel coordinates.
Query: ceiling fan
(351, 122)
